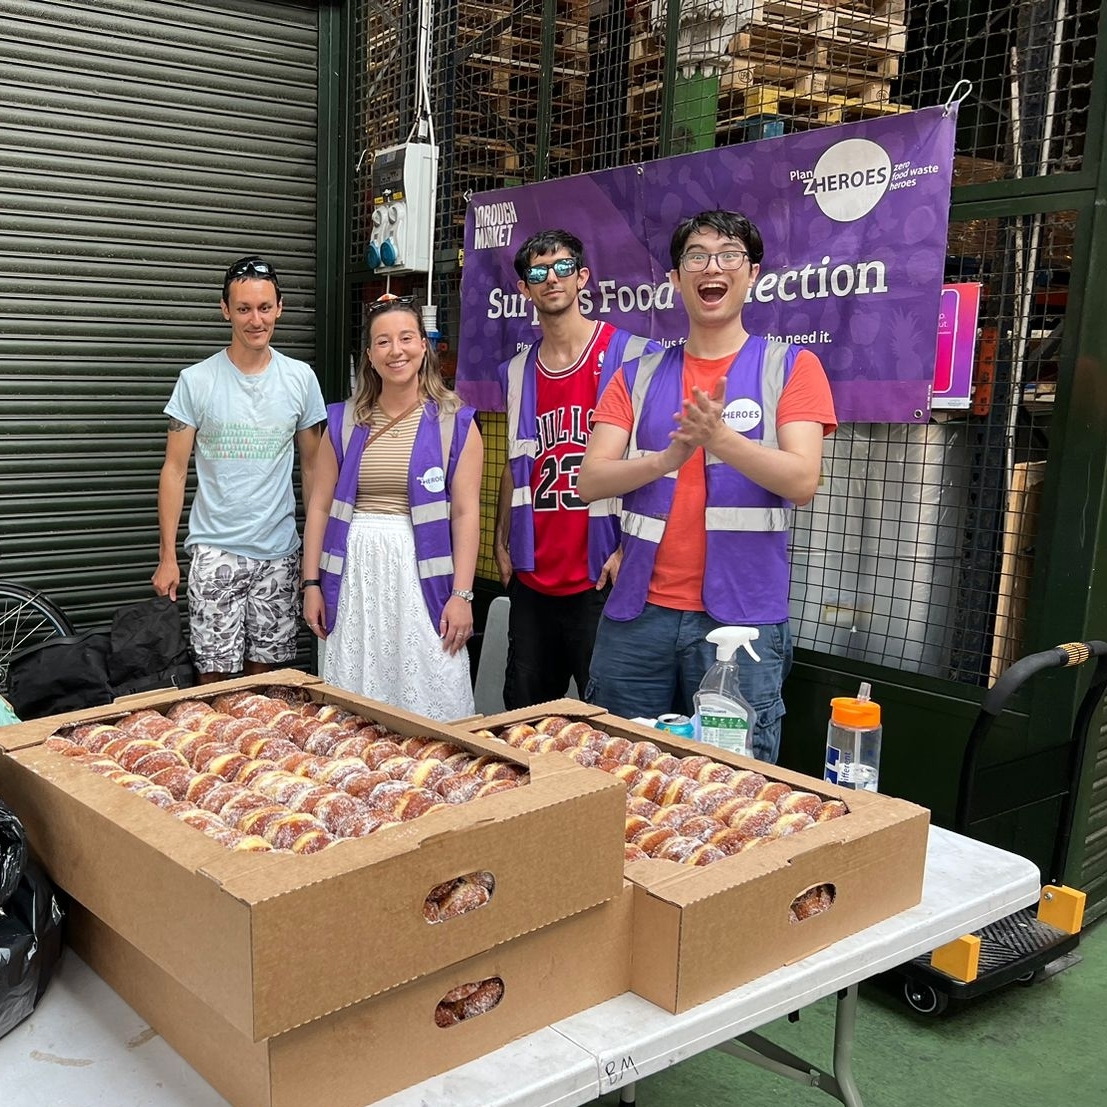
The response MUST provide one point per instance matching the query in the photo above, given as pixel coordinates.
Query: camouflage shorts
(240, 608)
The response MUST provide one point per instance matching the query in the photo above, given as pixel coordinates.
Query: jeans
(654, 664)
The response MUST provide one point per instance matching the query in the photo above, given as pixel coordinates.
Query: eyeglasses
(251, 267)
(563, 267)
(388, 299)
(695, 261)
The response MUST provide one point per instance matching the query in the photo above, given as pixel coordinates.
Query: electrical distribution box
(403, 183)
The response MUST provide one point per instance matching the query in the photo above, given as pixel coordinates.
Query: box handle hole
(467, 1001)
(459, 896)
(812, 901)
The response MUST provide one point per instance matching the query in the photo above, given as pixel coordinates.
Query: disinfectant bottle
(723, 715)
(853, 742)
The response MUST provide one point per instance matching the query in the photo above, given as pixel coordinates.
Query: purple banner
(854, 220)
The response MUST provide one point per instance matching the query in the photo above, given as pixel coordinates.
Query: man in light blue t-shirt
(242, 409)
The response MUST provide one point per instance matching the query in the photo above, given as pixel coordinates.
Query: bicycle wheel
(27, 618)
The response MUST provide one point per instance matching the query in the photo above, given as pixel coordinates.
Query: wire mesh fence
(918, 551)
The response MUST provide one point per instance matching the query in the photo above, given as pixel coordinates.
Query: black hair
(546, 242)
(729, 224)
(242, 270)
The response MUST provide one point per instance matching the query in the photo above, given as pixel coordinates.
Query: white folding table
(84, 1045)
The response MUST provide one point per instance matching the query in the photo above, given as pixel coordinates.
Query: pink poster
(956, 352)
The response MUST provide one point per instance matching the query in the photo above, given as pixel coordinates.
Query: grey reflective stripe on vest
(610, 506)
(347, 424)
(746, 518)
(520, 497)
(635, 347)
(430, 513)
(331, 563)
(517, 447)
(772, 386)
(435, 567)
(647, 366)
(446, 430)
(645, 527)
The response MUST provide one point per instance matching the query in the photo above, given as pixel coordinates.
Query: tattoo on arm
(176, 424)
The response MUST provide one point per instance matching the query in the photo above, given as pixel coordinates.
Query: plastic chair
(488, 689)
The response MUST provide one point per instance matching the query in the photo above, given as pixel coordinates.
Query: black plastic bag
(31, 918)
(145, 649)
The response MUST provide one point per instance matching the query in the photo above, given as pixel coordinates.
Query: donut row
(250, 781)
(466, 1001)
(689, 809)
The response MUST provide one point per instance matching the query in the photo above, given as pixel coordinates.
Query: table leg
(839, 1083)
(626, 1094)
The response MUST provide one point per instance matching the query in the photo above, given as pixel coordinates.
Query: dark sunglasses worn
(563, 267)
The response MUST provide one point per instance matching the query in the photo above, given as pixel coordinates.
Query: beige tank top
(382, 475)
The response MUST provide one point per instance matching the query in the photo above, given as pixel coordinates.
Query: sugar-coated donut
(755, 820)
(417, 801)
(438, 750)
(677, 848)
(334, 808)
(642, 754)
(427, 772)
(635, 824)
(693, 764)
(184, 712)
(666, 763)
(730, 807)
(308, 800)
(458, 787)
(651, 785)
(516, 734)
(617, 748)
(255, 822)
(729, 840)
(678, 789)
(576, 732)
(176, 779)
(200, 785)
(200, 819)
(651, 840)
(491, 787)
(282, 832)
(674, 815)
(364, 822)
(158, 760)
(482, 1000)
(583, 756)
(709, 797)
(702, 827)
(323, 739)
(806, 802)
(790, 824)
(551, 724)
(361, 782)
(830, 809)
(631, 853)
(396, 767)
(220, 795)
(746, 782)
(412, 745)
(773, 791)
(638, 805)
(235, 810)
(704, 855)
(312, 841)
(629, 774)
(156, 794)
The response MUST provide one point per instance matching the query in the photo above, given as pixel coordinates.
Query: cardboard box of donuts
(318, 899)
(739, 867)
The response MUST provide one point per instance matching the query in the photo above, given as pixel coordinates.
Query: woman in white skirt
(393, 527)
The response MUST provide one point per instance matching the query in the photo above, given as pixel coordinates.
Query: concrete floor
(1038, 1046)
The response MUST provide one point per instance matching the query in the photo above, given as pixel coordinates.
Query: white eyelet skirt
(384, 644)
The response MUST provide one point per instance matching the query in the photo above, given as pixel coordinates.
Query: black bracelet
(310, 584)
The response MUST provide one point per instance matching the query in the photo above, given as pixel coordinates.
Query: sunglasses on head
(388, 299)
(563, 267)
(250, 267)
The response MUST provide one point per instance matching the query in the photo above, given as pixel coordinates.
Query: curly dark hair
(546, 242)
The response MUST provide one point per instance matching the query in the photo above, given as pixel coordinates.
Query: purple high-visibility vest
(746, 570)
(519, 381)
(428, 488)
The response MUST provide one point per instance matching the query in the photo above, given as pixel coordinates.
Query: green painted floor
(1038, 1046)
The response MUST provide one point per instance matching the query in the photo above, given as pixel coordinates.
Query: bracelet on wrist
(463, 594)
(315, 583)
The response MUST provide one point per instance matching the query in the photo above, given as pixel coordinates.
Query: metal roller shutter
(145, 145)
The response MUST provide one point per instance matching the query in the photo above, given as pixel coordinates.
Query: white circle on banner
(433, 480)
(742, 415)
(849, 179)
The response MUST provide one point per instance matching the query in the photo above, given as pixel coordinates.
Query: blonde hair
(431, 385)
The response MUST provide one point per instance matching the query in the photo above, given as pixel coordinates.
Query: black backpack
(145, 649)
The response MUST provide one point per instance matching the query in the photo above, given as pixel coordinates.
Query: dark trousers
(549, 640)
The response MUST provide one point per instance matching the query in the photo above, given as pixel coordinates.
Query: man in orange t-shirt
(710, 446)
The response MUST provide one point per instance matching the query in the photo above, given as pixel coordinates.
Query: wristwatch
(464, 594)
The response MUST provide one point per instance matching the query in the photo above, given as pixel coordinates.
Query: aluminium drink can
(679, 725)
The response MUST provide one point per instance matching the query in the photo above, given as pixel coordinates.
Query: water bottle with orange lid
(853, 741)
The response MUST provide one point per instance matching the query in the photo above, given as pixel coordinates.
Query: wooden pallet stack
(797, 64)
(495, 91)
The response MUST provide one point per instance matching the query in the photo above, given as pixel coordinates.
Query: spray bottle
(853, 741)
(723, 715)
